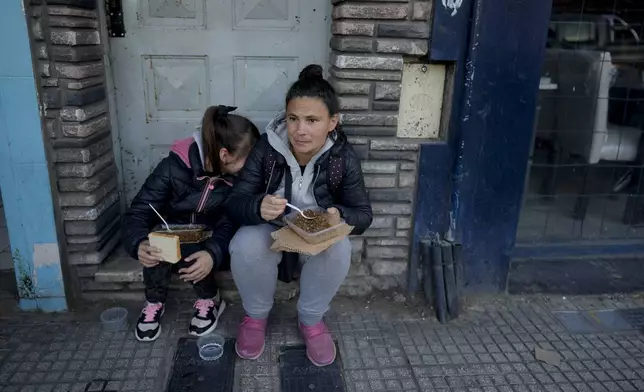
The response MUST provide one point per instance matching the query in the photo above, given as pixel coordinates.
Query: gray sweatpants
(254, 268)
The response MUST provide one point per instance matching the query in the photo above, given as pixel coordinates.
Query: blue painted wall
(431, 214)
(24, 173)
(438, 168)
(496, 49)
(503, 69)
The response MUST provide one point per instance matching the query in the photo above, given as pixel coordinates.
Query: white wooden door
(180, 56)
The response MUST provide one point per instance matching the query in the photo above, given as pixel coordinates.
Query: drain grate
(192, 374)
(594, 321)
(576, 322)
(635, 317)
(298, 374)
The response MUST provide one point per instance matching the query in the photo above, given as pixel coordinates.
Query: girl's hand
(200, 269)
(334, 217)
(149, 256)
(272, 206)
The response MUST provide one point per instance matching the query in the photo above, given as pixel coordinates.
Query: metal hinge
(114, 17)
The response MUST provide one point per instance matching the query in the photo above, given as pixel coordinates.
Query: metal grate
(635, 317)
(298, 374)
(576, 322)
(609, 320)
(191, 373)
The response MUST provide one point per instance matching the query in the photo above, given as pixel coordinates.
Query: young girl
(303, 158)
(189, 186)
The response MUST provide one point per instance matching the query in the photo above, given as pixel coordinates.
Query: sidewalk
(385, 345)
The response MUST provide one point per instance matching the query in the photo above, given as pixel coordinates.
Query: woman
(303, 158)
(189, 186)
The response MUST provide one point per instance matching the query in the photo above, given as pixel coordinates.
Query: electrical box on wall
(421, 101)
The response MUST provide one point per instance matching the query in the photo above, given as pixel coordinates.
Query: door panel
(181, 56)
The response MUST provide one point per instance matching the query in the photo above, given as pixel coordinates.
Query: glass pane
(586, 168)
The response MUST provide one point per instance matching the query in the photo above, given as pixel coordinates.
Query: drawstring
(268, 184)
(212, 180)
(210, 185)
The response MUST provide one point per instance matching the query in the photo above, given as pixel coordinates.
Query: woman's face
(308, 122)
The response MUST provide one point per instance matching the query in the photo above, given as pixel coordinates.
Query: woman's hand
(333, 217)
(272, 206)
(149, 256)
(200, 269)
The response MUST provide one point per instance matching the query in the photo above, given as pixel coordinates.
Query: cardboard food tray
(286, 240)
(188, 233)
(313, 238)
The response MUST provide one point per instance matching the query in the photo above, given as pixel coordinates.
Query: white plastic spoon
(299, 210)
(159, 215)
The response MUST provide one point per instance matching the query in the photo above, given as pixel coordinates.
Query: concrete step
(121, 276)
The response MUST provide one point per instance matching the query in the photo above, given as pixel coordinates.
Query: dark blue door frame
(495, 48)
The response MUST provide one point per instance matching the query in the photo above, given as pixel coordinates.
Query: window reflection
(585, 172)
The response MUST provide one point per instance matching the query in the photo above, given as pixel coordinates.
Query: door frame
(110, 86)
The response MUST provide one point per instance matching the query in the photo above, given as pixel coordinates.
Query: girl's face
(308, 123)
(232, 163)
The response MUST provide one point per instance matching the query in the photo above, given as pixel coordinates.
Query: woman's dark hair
(311, 84)
(219, 129)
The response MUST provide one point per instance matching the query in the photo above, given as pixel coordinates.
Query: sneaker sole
(153, 338)
(222, 307)
(156, 336)
(319, 364)
(250, 358)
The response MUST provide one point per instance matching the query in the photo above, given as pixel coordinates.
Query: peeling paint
(48, 282)
(46, 254)
(25, 172)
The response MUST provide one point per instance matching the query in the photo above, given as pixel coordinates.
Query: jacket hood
(181, 148)
(302, 194)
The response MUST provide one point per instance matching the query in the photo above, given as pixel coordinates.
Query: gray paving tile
(639, 384)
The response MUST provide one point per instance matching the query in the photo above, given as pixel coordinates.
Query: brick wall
(371, 41)
(71, 79)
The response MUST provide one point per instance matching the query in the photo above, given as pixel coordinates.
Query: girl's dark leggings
(157, 279)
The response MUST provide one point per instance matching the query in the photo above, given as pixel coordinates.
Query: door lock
(114, 17)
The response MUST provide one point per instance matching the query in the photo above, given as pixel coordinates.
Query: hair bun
(223, 110)
(312, 71)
